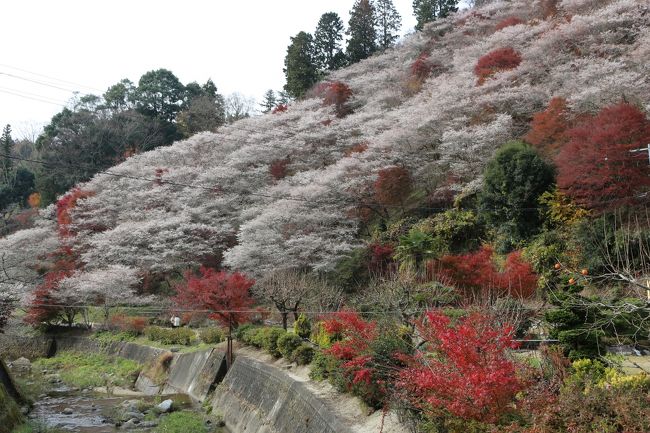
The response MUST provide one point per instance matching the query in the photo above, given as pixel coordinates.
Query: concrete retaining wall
(192, 373)
(257, 398)
(132, 351)
(16, 346)
(195, 373)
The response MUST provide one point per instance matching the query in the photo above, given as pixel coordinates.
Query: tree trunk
(285, 319)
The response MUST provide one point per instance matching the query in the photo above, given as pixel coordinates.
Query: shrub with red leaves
(476, 272)
(597, 167)
(548, 129)
(368, 358)
(226, 296)
(463, 368)
(338, 94)
(507, 22)
(381, 258)
(421, 68)
(502, 59)
(280, 109)
(278, 168)
(393, 185)
(357, 148)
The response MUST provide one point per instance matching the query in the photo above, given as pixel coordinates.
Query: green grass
(182, 422)
(88, 370)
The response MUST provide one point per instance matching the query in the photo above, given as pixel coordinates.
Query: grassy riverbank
(89, 370)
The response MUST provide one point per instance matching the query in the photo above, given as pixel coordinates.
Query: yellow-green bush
(321, 337)
(302, 326)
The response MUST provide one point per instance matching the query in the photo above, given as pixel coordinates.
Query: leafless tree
(405, 296)
(287, 289)
(624, 283)
(238, 107)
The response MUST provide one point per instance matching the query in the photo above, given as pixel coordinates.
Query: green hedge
(178, 336)
(303, 354)
(287, 343)
(212, 335)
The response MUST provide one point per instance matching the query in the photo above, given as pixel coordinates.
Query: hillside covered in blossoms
(298, 188)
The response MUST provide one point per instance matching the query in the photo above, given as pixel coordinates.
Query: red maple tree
(501, 59)
(393, 185)
(338, 94)
(278, 168)
(507, 22)
(597, 167)
(63, 208)
(548, 129)
(224, 295)
(463, 368)
(45, 306)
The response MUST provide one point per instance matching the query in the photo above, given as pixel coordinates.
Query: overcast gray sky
(92, 45)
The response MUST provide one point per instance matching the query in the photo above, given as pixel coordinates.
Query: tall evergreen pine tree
(327, 42)
(428, 10)
(7, 145)
(388, 23)
(361, 29)
(299, 66)
(270, 101)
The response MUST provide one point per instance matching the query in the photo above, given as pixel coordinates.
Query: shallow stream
(70, 410)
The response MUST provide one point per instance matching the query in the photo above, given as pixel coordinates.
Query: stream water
(88, 413)
(70, 410)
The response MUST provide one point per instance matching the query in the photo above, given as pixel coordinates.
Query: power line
(40, 83)
(34, 95)
(207, 311)
(30, 97)
(50, 77)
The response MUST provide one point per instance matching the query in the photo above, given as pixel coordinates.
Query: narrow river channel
(81, 412)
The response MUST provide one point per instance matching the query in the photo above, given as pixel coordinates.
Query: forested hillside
(495, 161)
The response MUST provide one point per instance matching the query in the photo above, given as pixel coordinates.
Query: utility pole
(229, 344)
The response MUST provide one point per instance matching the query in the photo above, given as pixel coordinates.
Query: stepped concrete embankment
(196, 373)
(258, 398)
(124, 349)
